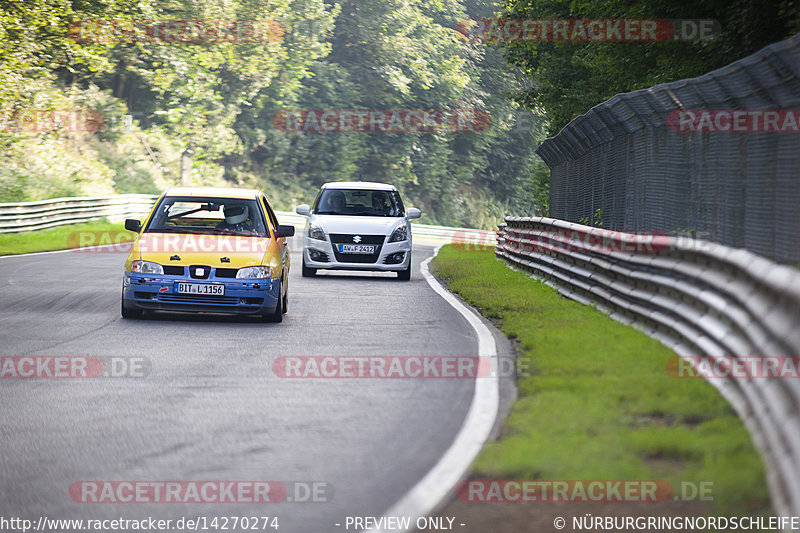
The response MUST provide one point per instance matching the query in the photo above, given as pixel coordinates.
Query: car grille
(172, 298)
(198, 299)
(365, 239)
(173, 270)
(357, 258)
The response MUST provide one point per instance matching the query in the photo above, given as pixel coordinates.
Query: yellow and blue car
(206, 249)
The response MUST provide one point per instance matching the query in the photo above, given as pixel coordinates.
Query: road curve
(211, 407)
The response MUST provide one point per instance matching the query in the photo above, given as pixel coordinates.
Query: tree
(570, 78)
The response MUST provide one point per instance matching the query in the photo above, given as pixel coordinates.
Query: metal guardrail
(629, 163)
(25, 216)
(699, 298)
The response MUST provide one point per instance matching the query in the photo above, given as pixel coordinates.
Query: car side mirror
(131, 224)
(413, 212)
(303, 209)
(285, 231)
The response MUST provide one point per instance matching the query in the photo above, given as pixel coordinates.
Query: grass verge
(64, 237)
(595, 399)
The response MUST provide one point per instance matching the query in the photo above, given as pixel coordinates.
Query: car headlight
(259, 272)
(399, 234)
(315, 232)
(146, 267)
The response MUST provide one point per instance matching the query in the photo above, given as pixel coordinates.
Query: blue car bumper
(159, 293)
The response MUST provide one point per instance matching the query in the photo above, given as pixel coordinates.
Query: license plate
(208, 289)
(356, 248)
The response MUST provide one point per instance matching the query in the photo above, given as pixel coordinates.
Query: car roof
(371, 185)
(216, 192)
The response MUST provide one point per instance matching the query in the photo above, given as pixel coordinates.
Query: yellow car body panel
(206, 249)
(217, 253)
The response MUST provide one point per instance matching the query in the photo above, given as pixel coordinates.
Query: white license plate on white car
(357, 248)
(208, 289)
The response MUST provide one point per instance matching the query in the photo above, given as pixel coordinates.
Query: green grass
(64, 237)
(596, 401)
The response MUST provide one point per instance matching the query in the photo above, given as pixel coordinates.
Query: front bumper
(320, 255)
(242, 296)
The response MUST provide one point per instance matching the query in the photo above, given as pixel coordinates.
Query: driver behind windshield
(380, 204)
(334, 202)
(237, 218)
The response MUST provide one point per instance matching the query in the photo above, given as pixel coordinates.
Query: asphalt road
(211, 407)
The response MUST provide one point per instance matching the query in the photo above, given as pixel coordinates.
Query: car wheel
(129, 313)
(285, 307)
(405, 275)
(277, 315)
(308, 272)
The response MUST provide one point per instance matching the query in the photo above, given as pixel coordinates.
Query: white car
(357, 225)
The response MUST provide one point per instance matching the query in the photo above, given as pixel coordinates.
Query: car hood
(209, 250)
(357, 224)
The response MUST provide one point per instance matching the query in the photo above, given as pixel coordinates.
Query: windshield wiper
(175, 230)
(239, 233)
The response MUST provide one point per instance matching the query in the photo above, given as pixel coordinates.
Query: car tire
(277, 315)
(308, 272)
(405, 275)
(285, 307)
(129, 313)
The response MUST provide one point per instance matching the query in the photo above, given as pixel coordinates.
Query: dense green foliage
(202, 112)
(569, 78)
(214, 103)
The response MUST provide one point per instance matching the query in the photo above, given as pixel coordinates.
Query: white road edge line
(432, 488)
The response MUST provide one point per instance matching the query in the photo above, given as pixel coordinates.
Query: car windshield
(211, 216)
(359, 202)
